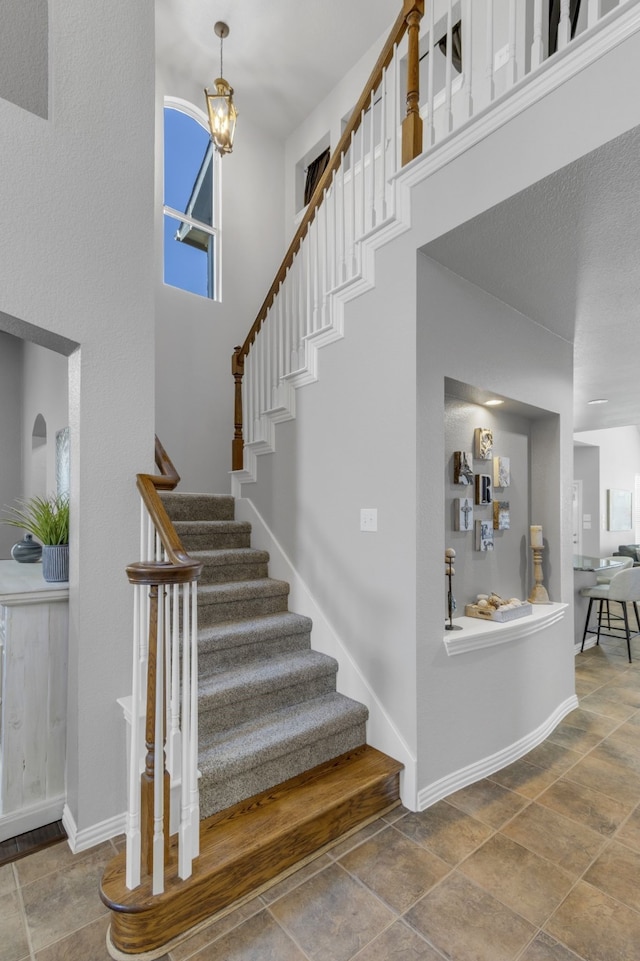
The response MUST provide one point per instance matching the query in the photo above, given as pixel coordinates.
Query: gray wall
(586, 467)
(24, 54)
(11, 352)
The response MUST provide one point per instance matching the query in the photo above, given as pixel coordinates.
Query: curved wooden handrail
(180, 568)
(408, 19)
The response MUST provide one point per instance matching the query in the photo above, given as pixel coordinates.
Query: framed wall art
(463, 514)
(483, 489)
(501, 516)
(483, 443)
(463, 467)
(501, 472)
(484, 535)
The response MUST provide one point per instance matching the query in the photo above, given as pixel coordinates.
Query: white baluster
(383, 146)
(193, 759)
(564, 27)
(512, 66)
(302, 304)
(593, 12)
(157, 881)
(133, 841)
(363, 202)
(537, 47)
(448, 69)
(352, 203)
(315, 272)
(431, 129)
(395, 116)
(490, 79)
(185, 843)
(372, 165)
(324, 286)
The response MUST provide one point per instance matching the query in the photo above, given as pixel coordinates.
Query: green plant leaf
(47, 518)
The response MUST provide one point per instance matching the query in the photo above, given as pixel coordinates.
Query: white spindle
(173, 753)
(343, 219)
(593, 12)
(133, 841)
(302, 304)
(193, 755)
(512, 66)
(564, 27)
(324, 260)
(395, 118)
(372, 165)
(383, 147)
(490, 65)
(431, 130)
(466, 28)
(184, 833)
(157, 881)
(448, 69)
(537, 47)
(363, 201)
(352, 204)
(315, 272)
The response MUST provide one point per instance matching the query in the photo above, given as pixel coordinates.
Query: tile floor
(539, 862)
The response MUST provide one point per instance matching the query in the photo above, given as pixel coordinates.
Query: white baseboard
(489, 765)
(96, 834)
(30, 818)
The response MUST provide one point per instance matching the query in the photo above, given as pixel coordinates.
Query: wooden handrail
(179, 568)
(408, 19)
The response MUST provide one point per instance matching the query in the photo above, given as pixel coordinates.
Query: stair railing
(354, 197)
(164, 709)
(350, 200)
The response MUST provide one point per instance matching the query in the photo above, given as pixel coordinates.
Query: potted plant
(47, 519)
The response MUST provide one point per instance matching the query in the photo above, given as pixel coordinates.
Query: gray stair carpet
(268, 707)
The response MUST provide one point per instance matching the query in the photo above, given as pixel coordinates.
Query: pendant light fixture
(220, 105)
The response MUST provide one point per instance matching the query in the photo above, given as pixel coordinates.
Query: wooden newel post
(237, 450)
(412, 123)
(149, 774)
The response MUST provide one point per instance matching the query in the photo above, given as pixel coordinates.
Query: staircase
(284, 767)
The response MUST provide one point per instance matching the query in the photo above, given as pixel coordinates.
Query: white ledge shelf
(477, 634)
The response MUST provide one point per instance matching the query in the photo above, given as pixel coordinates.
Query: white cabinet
(33, 698)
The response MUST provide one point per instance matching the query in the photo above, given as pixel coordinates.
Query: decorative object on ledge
(483, 489)
(483, 439)
(484, 535)
(492, 607)
(449, 569)
(501, 516)
(27, 551)
(538, 593)
(462, 467)
(48, 520)
(501, 472)
(463, 516)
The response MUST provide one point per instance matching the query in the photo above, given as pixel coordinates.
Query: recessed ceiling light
(493, 403)
(598, 400)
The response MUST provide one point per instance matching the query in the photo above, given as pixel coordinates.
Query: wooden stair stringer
(248, 847)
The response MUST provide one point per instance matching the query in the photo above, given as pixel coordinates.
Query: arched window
(191, 208)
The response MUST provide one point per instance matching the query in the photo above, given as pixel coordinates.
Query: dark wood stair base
(248, 848)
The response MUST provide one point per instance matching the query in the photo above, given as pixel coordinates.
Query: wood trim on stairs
(249, 846)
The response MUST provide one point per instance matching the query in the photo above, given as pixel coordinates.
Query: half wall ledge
(477, 634)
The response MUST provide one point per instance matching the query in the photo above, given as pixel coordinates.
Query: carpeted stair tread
(253, 680)
(240, 563)
(229, 644)
(241, 590)
(278, 734)
(201, 507)
(213, 535)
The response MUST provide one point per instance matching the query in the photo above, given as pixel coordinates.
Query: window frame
(215, 228)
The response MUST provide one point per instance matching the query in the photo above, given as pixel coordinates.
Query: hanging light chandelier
(220, 106)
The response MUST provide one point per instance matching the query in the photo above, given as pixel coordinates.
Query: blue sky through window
(185, 145)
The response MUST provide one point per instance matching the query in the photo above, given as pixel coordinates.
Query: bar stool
(604, 577)
(624, 587)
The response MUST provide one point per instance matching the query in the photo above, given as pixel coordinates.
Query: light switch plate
(368, 518)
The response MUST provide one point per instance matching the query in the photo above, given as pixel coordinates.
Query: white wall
(46, 392)
(619, 465)
(76, 273)
(475, 705)
(195, 337)
(11, 350)
(586, 468)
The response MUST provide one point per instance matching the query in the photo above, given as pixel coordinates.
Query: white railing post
(490, 65)
(593, 12)
(448, 70)
(564, 27)
(537, 47)
(512, 66)
(466, 28)
(157, 879)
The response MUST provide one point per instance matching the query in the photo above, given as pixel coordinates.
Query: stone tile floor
(539, 862)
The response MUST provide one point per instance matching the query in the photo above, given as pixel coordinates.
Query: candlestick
(538, 593)
(535, 533)
(449, 555)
